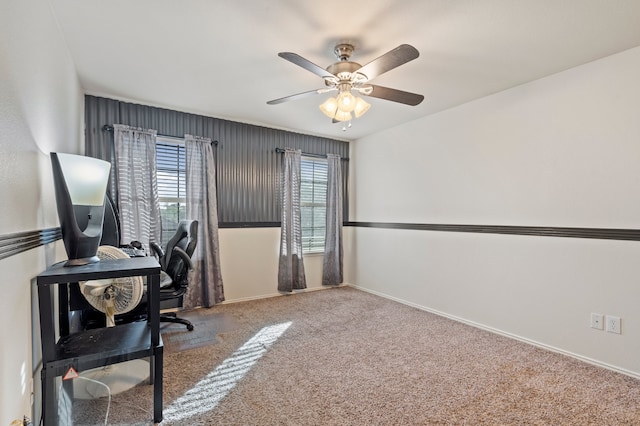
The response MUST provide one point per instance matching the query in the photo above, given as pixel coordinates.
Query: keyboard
(132, 252)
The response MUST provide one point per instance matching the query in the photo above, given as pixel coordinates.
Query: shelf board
(115, 268)
(103, 346)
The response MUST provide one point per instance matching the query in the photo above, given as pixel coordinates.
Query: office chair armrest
(157, 249)
(184, 256)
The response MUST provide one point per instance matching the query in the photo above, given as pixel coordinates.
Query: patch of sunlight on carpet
(208, 392)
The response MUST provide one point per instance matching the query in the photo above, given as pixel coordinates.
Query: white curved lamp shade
(346, 101)
(329, 107)
(342, 116)
(361, 107)
(86, 178)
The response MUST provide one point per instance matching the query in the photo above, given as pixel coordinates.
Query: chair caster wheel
(190, 327)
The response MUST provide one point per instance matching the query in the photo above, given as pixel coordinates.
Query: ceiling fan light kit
(341, 107)
(347, 77)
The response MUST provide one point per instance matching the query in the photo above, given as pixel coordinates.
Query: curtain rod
(309, 154)
(107, 128)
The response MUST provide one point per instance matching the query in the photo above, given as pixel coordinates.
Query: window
(313, 203)
(171, 177)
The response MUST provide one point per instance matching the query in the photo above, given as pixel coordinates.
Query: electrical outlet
(613, 324)
(597, 321)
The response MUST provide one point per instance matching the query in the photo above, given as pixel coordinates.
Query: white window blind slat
(171, 178)
(313, 203)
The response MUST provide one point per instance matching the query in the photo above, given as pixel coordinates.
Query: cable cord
(106, 417)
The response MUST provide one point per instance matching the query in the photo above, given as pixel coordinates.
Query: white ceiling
(220, 58)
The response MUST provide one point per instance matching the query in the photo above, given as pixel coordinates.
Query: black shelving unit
(94, 348)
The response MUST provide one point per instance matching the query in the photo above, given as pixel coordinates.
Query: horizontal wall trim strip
(541, 231)
(12, 244)
(223, 225)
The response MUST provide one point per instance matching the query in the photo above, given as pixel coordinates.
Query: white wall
(41, 109)
(249, 262)
(560, 151)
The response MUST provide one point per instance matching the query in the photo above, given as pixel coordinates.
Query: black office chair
(175, 263)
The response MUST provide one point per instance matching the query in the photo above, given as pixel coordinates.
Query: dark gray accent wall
(248, 168)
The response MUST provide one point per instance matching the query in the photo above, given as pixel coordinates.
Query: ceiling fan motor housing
(343, 67)
(343, 51)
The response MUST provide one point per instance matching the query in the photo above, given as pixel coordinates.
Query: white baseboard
(504, 333)
(267, 296)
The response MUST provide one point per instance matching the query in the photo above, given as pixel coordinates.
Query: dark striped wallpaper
(248, 166)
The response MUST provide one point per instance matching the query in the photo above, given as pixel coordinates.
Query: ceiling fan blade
(306, 64)
(390, 60)
(299, 96)
(395, 95)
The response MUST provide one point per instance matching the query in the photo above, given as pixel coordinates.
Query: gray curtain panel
(205, 286)
(333, 254)
(138, 204)
(291, 268)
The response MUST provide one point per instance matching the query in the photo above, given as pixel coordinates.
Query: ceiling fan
(347, 77)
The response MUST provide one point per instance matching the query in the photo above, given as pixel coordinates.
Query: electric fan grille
(116, 295)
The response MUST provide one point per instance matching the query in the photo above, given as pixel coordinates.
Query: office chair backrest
(186, 238)
(110, 224)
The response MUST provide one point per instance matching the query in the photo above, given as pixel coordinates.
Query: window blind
(313, 204)
(171, 165)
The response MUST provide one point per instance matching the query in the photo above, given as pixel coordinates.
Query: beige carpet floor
(345, 357)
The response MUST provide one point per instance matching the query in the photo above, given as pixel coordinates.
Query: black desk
(99, 347)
